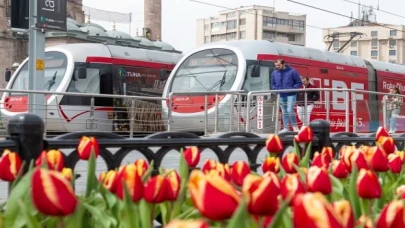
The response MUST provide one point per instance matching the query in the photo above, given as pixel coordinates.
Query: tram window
(257, 83)
(90, 84)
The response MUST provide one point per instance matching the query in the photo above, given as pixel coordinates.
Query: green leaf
(101, 218)
(165, 212)
(91, 174)
(297, 150)
(21, 189)
(240, 216)
(303, 177)
(188, 213)
(130, 211)
(76, 219)
(305, 161)
(146, 211)
(354, 198)
(184, 175)
(148, 172)
(277, 219)
(31, 221)
(337, 185)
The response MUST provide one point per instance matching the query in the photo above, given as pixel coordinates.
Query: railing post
(205, 115)
(132, 122)
(347, 115)
(231, 112)
(277, 122)
(91, 113)
(248, 104)
(305, 109)
(327, 104)
(384, 112)
(354, 112)
(216, 113)
(27, 130)
(239, 110)
(321, 129)
(169, 112)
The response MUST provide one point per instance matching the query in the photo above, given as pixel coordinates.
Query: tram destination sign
(51, 14)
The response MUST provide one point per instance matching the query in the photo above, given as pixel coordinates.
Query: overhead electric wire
(228, 8)
(339, 14)
(356, 3)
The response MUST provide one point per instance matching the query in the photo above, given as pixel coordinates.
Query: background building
(253, 23)
(370, 40)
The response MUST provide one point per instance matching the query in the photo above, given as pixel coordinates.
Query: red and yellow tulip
(291, 186)
(192, 156)
(392, 215)
(205, 191)
(318, 180)
(128, 177)
(271, 164)
(368, 186)
(274, 144)
(387, 143)
(67, 173)
(54, 160)
(158, 190)
(262, 193)
(305, 135)
(321, 160)
(176, 223)
(10, 165)
(142, 166)
(86, 146)
(240, 170)
(52, 194)
(344, 210)
(339, 169)
(109, 180)
(222, 169)
(288, 162)
(174, 184)
(381, 132)
(395, 163)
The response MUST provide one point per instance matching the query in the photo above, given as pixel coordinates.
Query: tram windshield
(55, 68)
(207, 70)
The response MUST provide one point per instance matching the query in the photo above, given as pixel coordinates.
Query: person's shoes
(296, 129)
(284, 130)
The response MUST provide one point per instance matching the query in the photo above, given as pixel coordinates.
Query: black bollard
(321, 129)
(27, 131)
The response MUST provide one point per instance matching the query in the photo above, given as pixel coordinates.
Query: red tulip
(313, 210)
(128, 176)
(262, 193)
(387, 143)
(392, 215)
(175, 183)
(368, 186)
(318, 180)
(379, 161)
(381, 132)
(346, 153)
(54, 160)
(345, 213)
(213, 196)
(271, 164)
(240, 170)
(109, 180)
(401, 154)
(395, 163)
(321, 160)
(291, 186)
(158, 190)
(359, 159)
(339, 169)
(51, 193)
(10, 165)
(288, 162)
(328, 153)
(86, 146)
(274, 144)
(192, 156)
(401, 191)
(305, 135)
(223, 169)
(142, 166)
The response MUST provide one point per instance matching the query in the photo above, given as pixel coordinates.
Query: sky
(179, 17)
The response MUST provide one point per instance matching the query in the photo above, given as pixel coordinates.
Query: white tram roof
(251, 48)
(80, 51)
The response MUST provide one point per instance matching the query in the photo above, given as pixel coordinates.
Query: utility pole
(36, 62)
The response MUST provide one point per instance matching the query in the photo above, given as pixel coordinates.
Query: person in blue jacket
(286, 77)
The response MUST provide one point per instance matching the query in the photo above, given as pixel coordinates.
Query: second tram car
(247, 65)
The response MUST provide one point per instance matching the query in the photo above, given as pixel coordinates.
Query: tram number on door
(260, 112)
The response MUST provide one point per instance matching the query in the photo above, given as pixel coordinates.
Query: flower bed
(364, 188)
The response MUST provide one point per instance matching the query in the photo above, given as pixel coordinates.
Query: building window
(291, 37)
(206, 26)
(354, 44)
(353, 53)
(231, 36)
(393, 52)
(374, 53)
(374, 43)
(298, 25)
(242, 35)
(393, 43)
(231, 24)
(206, 39)
(268, 35)
(232, 14)
(242, 21)
(269, 21)
(282, 22)
(374, 33)
(336, 44)
(393, 32)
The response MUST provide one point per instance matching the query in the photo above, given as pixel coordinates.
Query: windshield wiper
(51, 82)
(220, 82)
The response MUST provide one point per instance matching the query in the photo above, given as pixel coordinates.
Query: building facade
(253, 23)
(377, 43)
(153, 18)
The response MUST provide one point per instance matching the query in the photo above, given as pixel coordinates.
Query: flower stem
(60, 222)
(152, 214)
